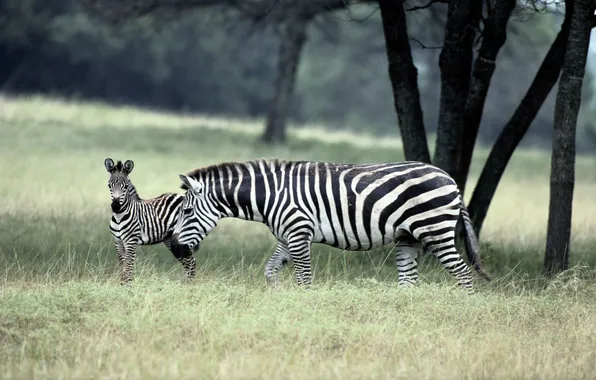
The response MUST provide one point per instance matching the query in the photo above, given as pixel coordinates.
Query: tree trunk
(404, 81)
(567, 105)
(292, 40)
(493, 38)
(455, 63)
(518, 125)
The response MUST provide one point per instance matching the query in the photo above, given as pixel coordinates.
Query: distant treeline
(211, 61)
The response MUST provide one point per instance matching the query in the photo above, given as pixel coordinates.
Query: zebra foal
(352, 207)
(137, 221)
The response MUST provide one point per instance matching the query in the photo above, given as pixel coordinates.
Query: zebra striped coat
(352, 207)
(142, 222)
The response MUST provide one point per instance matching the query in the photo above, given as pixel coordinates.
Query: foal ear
(109, 164)
(189, 183)
(128, 166)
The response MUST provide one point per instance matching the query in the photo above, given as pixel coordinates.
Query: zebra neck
(133, 195)
(131, 200)
(237, 204)
(126, 208)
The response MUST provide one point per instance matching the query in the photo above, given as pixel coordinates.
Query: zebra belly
(347, 239)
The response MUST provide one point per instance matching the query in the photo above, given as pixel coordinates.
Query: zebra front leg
(120, 252)
(407, 266)
(130, 250)
(299, 248)
(184, 255)
(277, 261)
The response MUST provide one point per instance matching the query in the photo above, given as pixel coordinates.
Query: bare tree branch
(427, 5)
(116, 11)
(328, 26)
(423, 46)
(363, 19)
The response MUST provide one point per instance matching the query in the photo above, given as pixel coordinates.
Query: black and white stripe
(353, 207)
(136, 221)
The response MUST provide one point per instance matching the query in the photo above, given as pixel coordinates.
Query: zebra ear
(109, 164)
(189, 183)
(185, 185)
(128, 166)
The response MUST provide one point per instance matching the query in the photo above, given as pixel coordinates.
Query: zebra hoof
(272, 282)
(189, 280)
(270, 277)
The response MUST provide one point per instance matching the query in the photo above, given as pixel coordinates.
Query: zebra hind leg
(276, 262)
(442, 245)
(406, 260)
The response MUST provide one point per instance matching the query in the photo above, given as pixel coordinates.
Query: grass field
(64, 316)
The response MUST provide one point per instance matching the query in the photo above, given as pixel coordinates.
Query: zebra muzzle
(116, 206)
(178, 248)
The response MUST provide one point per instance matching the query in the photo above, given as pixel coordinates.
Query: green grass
(63, 314)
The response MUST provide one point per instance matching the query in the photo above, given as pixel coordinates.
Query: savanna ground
(64, 315)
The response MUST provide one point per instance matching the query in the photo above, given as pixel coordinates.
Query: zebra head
(198, 215)
(119, 184)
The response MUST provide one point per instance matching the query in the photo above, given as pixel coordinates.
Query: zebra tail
(472, 245)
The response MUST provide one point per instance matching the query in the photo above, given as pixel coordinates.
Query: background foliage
(212, 61)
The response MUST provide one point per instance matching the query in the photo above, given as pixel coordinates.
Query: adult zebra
(353, 207)
(136, 221)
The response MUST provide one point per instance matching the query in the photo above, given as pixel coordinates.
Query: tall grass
(63, 314)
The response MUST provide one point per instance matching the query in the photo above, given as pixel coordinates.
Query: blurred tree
(292, 37)
(563, 158)
(339, 82)
(291, 17)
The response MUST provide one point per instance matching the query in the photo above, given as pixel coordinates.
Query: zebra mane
(119, 165)
(202, 173)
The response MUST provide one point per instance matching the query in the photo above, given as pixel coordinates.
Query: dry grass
(62, 314)
(220, 329)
